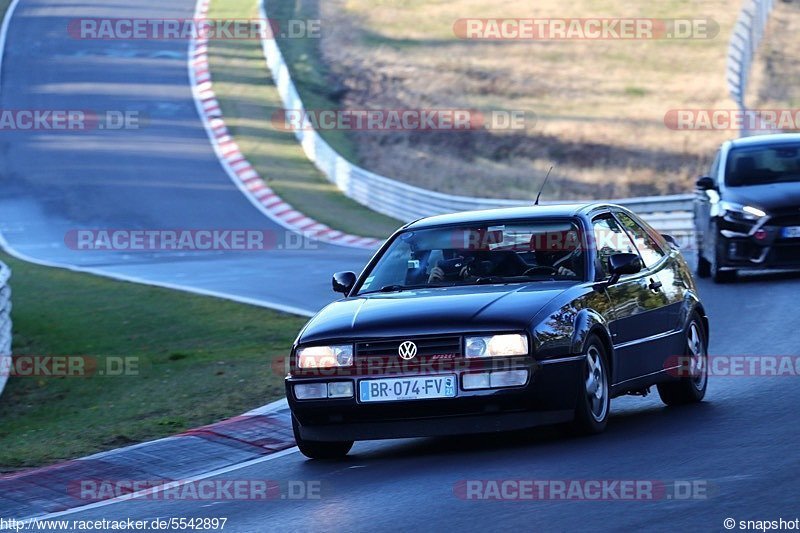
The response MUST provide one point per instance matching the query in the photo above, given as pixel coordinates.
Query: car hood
(770, 197)
(432, 311)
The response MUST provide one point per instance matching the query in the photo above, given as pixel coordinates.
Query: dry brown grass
(600, 105)
(776, 77)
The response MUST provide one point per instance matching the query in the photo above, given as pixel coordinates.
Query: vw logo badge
(407, 350)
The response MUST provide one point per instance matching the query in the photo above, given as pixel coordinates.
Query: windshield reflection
(474, 255)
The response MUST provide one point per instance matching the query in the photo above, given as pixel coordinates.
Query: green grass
(249, 101)
(201, 359)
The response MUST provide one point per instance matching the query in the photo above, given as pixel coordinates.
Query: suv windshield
(475, 254)
(762, 165)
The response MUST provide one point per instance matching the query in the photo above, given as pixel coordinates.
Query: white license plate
(410, 388)
(792, 232)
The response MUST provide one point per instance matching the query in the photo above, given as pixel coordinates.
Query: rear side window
(648, 248)
(609, 239)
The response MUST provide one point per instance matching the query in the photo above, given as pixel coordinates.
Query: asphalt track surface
(162, 176)
(741, 442)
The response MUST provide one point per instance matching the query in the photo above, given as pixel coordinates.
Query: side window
(648, 248)
(609, 239)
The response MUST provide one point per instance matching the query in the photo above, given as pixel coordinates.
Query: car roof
(765, 140)
(509, 214)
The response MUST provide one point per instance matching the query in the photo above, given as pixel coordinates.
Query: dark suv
(747, 210)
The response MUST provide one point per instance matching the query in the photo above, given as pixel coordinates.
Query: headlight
(746, 212)
(494, 345)
(325, 356)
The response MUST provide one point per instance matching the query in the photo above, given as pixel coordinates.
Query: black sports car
(496, 320)
(747, 210)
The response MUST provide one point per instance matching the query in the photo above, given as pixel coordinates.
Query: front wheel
(691, 387)
(702, 265)
(319, 449)
(594, 398)
(717, 274)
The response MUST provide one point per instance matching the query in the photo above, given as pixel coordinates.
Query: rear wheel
(691, 387)
(320, 449)
(594, 400)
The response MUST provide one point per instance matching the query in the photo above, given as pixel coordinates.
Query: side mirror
(671, 240)
(343, 282)
(623, 264)
(705, 183)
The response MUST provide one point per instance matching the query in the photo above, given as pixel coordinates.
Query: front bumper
(763, 247)
(549, 397)
(744, 253)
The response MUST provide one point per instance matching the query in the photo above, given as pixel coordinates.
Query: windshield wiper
(488, 280)
(394, 288)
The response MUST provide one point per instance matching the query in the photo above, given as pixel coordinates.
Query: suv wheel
(717, 274)
(702, 265)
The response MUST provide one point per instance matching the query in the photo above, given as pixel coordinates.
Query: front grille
(426, 347)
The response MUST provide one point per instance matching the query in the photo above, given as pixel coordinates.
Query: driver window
(609, 239)
(649, 250)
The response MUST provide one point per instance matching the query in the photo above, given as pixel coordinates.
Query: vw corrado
(498, 320)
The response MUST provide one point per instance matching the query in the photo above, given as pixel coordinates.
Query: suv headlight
(496, 345)
(741, 212)
(325, 356)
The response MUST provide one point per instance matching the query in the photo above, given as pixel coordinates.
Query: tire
(690, 388)
(702, 265)
(717, 274)
(594, 398)
(320, 449)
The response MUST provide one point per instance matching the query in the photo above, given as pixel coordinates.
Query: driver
(562, 263)
(463, 268)
(561, 253)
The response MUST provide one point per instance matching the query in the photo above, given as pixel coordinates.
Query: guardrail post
(747, 35)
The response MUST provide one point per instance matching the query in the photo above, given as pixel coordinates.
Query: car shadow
(625, 427)
(757, 276)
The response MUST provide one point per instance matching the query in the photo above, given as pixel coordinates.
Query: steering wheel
(545, 268)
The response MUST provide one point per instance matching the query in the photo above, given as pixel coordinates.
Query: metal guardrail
(747, 35)
(406, 202)
(5, 324)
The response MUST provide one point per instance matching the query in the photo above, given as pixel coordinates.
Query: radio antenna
(543, 184)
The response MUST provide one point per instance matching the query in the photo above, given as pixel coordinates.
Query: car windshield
(479, 254)
(762, 165)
